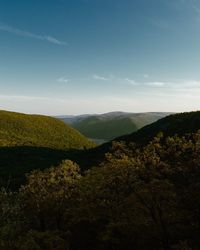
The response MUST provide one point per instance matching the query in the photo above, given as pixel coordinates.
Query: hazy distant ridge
(111, 125)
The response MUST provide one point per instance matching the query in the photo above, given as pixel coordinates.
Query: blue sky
(94, 56)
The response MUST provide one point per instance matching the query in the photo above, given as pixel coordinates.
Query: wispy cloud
(130, 81)
(102, 78)
(63, 79)
(155, 84)
(19, 32)
(182, 85)
(189, 84)
(144, 84)
(178, 85)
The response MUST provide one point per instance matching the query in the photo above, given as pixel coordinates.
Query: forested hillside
(30, 142)
(40, 131)
(140, 192)
(175, 124)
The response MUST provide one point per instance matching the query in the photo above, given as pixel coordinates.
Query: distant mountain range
(105, 127)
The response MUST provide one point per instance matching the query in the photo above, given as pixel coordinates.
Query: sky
(64, 57)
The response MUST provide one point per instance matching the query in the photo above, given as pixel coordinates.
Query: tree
(138, 194)
(46, 196)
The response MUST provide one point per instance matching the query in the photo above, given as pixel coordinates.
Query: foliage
(42, 131)
(46, 195)
(138, 198)
(30, 142)
(144, 197)
(177, 124)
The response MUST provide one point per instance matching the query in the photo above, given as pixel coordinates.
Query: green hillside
(176, 124)
(30, 142)
(40, 131)
(97, 127)
(111, 125)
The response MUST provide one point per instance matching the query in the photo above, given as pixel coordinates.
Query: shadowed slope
(30, 142)
(177, 124)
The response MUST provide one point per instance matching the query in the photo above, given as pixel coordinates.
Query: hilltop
(18, 129)
(176, 124)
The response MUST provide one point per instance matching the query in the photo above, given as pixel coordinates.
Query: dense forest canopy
(41, 131)
(136, 198)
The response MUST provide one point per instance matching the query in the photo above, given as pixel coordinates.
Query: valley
(105, 127)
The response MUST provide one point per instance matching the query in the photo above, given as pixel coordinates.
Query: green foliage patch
(39, 131)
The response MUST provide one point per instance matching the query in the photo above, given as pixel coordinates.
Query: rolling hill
(108, 126)
(175, 124)
(40, 131)
(30, 142)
